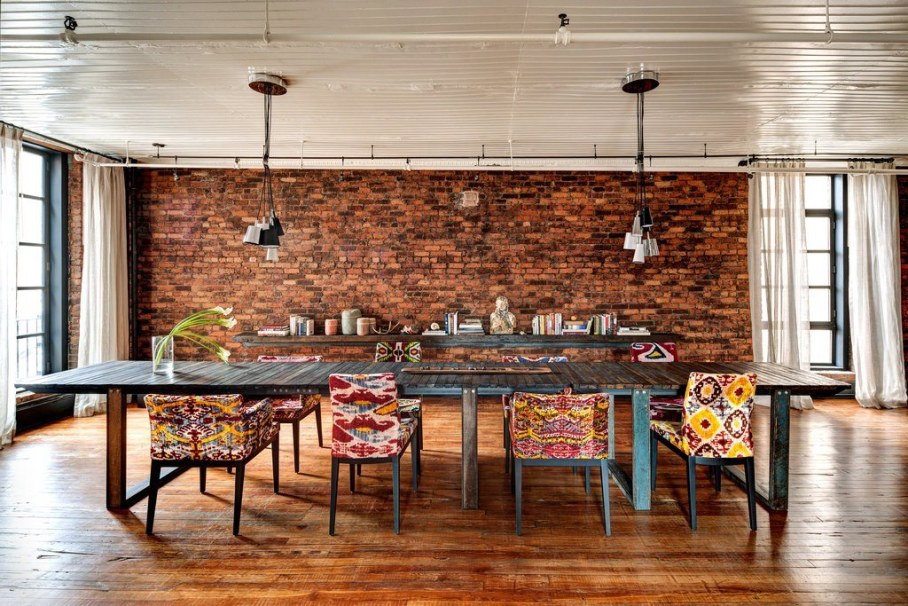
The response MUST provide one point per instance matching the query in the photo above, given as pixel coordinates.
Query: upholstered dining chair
(714, 430)
(506, 400)
(661, 408)
(561, 430)
(293, 409)
(368, 428)
(403, 352)
(208, 431)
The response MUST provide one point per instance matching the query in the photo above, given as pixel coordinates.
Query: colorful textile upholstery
(531, 359)
(561, 430)
(208, 431)
(295, 408)
(368, 428)
(660, 408)
(398, 352)
(715, 429)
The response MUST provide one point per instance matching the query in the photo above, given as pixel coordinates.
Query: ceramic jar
(348, 321)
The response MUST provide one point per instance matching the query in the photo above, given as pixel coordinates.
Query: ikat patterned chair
(660, 408)
(368, 428)
(714, 430)
(295, 408)
(506, 399)
(561, 430)
(403, 352)
(208, 431)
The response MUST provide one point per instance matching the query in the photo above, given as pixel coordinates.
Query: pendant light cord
(641, 180)
(267, 201)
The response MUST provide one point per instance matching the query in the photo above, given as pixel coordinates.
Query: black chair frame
(716, 465)
(155, 480)
(356, 466)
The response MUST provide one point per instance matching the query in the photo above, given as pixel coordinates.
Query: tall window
(824, 204)
(41, 253)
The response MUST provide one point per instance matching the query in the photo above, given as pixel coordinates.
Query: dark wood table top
(259, 378)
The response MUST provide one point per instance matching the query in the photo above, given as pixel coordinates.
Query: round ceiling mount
(641, 81)
(267, 84)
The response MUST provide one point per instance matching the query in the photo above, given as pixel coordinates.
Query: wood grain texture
(843, 540)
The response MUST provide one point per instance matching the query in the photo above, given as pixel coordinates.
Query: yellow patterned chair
(714, 430)
(293, 409)
(560, 430)
(208, 431)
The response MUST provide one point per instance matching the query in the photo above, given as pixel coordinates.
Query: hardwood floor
(844, 540)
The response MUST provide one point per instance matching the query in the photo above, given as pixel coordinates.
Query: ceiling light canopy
(563, 33)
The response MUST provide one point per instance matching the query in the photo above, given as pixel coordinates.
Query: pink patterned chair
(208, 431)
(561, 430)
(660, 408)
(506, 398)
(368, 428)
(403, 352)
(714, 430)
(295, 408)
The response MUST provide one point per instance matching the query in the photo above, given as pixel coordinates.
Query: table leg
(779, 432)
(116, 449)
(636, 486)
(470, 451)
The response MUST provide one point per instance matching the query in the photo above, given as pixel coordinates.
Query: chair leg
(692, 492)
(238, 497)
(318, 427)
(296, 446)
(507, 446)
(395, 487)
(414, 454)
(275, 465)
(518, 490)
(203, 472)
(359, 469)
(513, 466)
(603, 471)
(653, 459)
(335, 469)
(353, 477)
(751, 492)
(154, 483)
(717, 478)
(586, 480)
(419, 427)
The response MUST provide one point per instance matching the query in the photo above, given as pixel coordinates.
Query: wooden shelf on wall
(251, 339)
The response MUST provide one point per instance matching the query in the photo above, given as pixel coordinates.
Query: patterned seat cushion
(207, 428)
(509, 359)
(289, 410)
(398, 352)
(559, 426)
(666, 409)
(367, 422)
(670, 431)
(409, 407)
(653, 352)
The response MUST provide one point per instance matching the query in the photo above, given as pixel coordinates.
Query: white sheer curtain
(874, 297)
(10, 148)
(777, 268)
(103, 321)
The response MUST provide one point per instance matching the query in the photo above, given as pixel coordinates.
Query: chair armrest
(257, 415)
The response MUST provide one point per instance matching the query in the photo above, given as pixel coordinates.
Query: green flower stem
(207, 317)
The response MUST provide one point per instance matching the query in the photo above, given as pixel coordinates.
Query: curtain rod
(39, 138)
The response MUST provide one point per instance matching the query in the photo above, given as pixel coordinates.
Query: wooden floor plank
(844, 540)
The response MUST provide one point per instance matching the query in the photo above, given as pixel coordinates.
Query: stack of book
(451, 323)
(603, 324)
(470, 326)
(274, 330)
(548, 324)
(434, 333)
(574, 327)
(633, 331)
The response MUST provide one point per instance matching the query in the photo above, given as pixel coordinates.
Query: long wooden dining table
(119, 379)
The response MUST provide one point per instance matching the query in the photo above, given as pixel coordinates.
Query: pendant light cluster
(639, 239)
(266, 233)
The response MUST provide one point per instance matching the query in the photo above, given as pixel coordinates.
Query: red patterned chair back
(206, 428)
(560, 426)
(294, 359)
(398, 352)
(716, 415)
(367, 421)
(531, 359)
(653, 352)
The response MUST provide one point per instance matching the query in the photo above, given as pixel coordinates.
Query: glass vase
(162, 355)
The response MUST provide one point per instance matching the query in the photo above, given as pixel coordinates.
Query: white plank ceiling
(412, 78)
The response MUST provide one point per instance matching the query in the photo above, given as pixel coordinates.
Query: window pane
(820, 305)
(818, 233)
(29, 311)
(818, 193)
(821, 347)
(31, 266)
(31, 174)
(31, 220)
(818, 269)
(31, 357)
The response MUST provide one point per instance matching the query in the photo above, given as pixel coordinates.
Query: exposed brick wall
(75, 257)
(395, 245)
